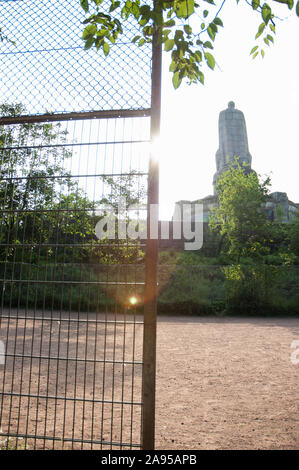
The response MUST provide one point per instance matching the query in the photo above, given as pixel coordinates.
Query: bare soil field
(70, 381)
(222, 383)
(226, 383)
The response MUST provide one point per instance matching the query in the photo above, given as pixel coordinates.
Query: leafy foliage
(294, 235)
(28, 188)
(240, 217)
(236, 289)
(48, 223)
(42, 206)
(186, 28)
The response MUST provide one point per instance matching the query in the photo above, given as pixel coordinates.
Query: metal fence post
(150, 310)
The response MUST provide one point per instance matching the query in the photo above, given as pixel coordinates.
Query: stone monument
(233, 141)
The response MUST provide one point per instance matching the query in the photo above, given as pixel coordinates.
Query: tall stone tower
(233, 141)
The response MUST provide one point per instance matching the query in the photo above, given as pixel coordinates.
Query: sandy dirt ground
(227, 384)
(221, 383)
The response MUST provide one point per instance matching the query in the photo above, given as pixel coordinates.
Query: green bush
(244, 289)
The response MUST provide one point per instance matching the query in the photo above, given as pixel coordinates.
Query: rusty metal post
(151, 273)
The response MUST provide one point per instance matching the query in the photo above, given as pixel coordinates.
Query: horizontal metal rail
(96, 283)
(55, 397)
(70, 439)
(109, 267)
(71, 245)
(76, 359)
(75, 320)
(81, 144)
(100, 175)
(101, 114)
(45, 211)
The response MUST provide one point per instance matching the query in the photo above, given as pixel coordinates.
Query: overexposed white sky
(266, 90)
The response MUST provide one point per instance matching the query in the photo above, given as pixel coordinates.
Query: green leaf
(263, 53)
(135, 11)
(201, 77)
(297, 9)
(184, 8)
(169, 23)
(188, 29)
(208, 45)
(88, 43)
(211, 33)
(205, 13)
(176, 80)
(218, 21)
(84, 5)
(290, 4)
(254, 55)
(255, 4)
(89, 31)
(135, 39)
(266, 13)
(106, 48)
(214, 27)
(169, 45)
(173, 66)
(260, 30)
(254, 49)
(114, 6)
(210, 60)
(198, 56)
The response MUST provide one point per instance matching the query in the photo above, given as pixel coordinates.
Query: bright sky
(267, 91)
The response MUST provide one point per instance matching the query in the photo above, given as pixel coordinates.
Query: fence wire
(73, 336)
(75, 129)
(48, 70)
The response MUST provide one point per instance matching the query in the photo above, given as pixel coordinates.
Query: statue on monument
(233, 141)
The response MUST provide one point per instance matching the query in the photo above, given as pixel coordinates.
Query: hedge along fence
(70, 286)
(234, 289)
(183, 290)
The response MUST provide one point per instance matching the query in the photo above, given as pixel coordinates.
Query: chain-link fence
(48, 70)
(74, 141)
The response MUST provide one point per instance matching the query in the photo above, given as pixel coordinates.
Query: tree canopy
(240, 217)
(186, 28)
(42, 204)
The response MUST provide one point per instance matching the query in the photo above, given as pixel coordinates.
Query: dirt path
(227, 384)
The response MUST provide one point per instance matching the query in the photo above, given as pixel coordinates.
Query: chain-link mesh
(48, 70)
